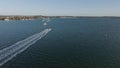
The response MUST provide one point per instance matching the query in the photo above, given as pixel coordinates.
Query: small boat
(46, 20)
(45, 24)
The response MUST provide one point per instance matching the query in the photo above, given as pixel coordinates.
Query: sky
(60, 7)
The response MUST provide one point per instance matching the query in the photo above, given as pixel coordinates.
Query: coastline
(20, 17)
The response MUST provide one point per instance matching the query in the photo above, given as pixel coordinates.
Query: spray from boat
(12, 51)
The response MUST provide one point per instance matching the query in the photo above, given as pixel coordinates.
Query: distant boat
(46, 20)
(45, 24)
(6, 19)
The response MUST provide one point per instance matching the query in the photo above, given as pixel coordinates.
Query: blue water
(72, 43)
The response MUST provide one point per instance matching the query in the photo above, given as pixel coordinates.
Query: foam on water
(10, 52)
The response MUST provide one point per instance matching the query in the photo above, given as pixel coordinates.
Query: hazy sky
(60, 7)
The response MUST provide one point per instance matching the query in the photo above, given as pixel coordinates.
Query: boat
(45, 24)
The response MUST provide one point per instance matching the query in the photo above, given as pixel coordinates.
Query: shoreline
(20, 17)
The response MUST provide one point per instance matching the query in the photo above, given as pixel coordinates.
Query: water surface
(72, 43)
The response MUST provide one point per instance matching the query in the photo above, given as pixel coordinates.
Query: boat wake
(10, 52)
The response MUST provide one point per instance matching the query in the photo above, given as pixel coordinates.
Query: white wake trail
(10, 52)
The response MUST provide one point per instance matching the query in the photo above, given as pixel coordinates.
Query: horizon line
(66, 15)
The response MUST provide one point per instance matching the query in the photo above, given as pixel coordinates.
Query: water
(72, 43)
(10, 52)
